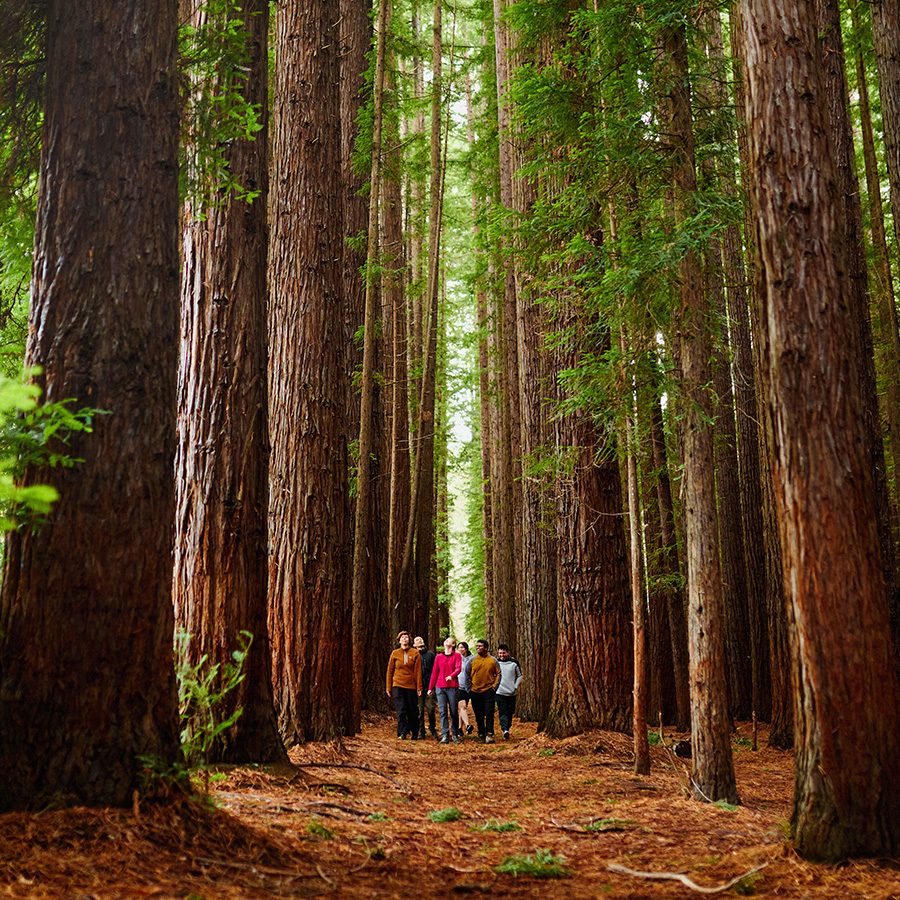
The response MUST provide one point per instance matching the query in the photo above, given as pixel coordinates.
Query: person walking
(463, 649)
(444, 683)
(427, 704)
(510, 679)
(404, 685)
(484, 676)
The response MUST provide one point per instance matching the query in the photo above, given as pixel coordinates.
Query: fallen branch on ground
(675, 876)
(338, 765)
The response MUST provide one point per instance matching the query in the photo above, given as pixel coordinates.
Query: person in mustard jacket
(404, 685)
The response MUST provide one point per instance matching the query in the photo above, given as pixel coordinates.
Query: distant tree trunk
(309, 561)
(87, 684)
(847, 786)
(828, 17)
(594, 656)
(364, 604)
(396, 329)
(221, 468)
(713, 769)
(887, 333)
(670, 569)
(776, 607)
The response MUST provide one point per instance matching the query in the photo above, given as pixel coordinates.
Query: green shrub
(450, 814)
(497, 825)
(609, 825)
(542, 865)
(319, 830)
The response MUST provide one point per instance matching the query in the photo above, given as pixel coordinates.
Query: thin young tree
(309, 513)
(847, 704)
(87, 682)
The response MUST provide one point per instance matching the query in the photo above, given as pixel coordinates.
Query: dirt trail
(350, 832)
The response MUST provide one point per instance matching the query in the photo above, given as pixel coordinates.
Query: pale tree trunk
(713, 769)
(846, 710)
(87, 684)
(309, 528)
(221, 468)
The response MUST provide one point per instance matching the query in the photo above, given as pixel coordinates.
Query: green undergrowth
(497, 825)
(543, 864)
(450, 814)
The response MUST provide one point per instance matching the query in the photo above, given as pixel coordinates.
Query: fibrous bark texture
(87, 683)
(309, 539)
(846, 695)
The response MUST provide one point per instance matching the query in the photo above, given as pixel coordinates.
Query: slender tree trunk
(87, 684)
(309, 556)
(221, 468)
(713, 769)
(776, 607)
(362, 611)
(846, 711)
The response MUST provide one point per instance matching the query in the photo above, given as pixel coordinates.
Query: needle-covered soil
(387, 818)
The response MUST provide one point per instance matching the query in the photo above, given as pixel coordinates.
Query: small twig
(675, 876)
(561, 827)
(347, 809)
(755, 745)
(461, 871)
(263, 870)
(338, 765)
(323, 876)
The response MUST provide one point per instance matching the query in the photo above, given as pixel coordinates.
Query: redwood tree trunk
(713, 769)
(847, 716)
(87, 683)
(221, 466)
(309, 536)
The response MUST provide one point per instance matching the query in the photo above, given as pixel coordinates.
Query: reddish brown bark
(847, 699)
(309, 540)
(221, 468)
(87, 684)
(713, 770)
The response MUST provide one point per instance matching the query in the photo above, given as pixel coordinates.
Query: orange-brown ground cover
(350, 832)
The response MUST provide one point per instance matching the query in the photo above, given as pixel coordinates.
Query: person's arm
(434, 677)
(390, 673)
(417, 668)
(518, 677)
(455, 666)
(496, 674)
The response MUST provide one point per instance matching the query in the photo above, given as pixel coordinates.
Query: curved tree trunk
(87, 683)
(847, 699)
(221, 466)
(309, 537)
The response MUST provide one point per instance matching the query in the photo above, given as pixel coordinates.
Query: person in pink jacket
(445, 684)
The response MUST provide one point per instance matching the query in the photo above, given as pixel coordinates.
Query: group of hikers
(418, 680)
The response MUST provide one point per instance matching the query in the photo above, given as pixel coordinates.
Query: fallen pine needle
(253, 867)
(323, 876)
(675, 876)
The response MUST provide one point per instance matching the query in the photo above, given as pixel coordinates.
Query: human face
(404, 642)
(481, 648)
(449, 646)
(503, 655)
(419, 644)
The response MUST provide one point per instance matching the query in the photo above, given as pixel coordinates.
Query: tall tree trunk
(713, 769)
(828, 17)
(309, 561)
(777, 611)
(594, 656)
(221, 468)
(846, 711)
(361, 596)
(87, 684)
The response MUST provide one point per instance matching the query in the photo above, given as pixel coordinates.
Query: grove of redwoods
(643, 254)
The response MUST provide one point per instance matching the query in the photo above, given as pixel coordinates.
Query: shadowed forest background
(569, 324)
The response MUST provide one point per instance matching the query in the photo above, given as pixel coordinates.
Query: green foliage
(547, 751)
(497, 825)
(377, 817)
(202, 690)
(543, 864)
(609, 825)
(319, 830)
(653, 738)
(215, 60)
(724, 804)
(450, 814)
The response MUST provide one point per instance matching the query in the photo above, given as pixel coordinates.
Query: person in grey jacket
(510, 679)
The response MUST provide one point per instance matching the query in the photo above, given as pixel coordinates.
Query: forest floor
(319, 830)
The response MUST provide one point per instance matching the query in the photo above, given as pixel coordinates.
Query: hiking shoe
(505, 735)
(444, 740)
(469, 729)
(489, 739)
(457, 739)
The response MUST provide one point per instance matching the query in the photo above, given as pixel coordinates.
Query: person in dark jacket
(427, 702)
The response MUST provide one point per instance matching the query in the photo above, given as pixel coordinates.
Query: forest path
(335, 830)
